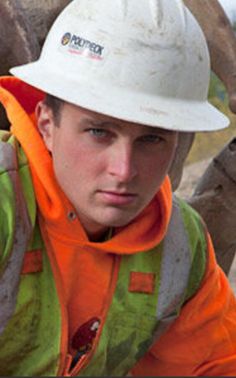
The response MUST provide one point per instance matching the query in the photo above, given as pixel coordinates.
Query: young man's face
(109, 169)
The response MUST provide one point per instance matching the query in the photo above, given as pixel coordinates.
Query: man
(102, 273)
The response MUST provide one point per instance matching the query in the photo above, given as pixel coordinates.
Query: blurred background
(206, 145)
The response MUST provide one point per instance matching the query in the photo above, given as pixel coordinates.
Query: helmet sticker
(77, 45)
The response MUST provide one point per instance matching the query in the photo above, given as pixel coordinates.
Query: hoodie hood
(143, 233)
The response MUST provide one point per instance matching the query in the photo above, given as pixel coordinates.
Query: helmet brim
(165, 112)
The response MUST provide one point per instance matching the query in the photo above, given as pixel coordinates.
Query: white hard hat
(143, 61)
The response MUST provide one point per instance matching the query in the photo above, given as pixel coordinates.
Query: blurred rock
(211, 190)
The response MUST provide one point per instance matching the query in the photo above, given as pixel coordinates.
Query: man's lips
(117, 198)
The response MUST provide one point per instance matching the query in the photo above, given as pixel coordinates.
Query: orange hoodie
(86, 268)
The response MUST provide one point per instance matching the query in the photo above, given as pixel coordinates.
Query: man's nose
(122, 162)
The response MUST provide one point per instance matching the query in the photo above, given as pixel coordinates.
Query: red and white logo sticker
(78, 45)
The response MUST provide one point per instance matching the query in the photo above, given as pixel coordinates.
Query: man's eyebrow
(110, 123)
(101, 123)
(157, 130)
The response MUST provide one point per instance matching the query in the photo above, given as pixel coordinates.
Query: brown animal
(23, 28)
(214, 197)
(222, 46)
(215, 194)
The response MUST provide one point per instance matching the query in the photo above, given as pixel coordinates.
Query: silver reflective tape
(8, 161)
(175, 268)
(9, 281)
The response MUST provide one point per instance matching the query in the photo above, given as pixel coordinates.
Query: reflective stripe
(9, 281)
(8, 160)
(175, 270)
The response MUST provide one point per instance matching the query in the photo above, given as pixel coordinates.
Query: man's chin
(118, 221)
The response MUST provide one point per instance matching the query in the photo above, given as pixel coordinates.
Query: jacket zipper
(84, 360)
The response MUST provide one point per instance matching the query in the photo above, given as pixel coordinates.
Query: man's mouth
(117, 197)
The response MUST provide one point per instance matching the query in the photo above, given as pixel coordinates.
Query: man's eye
(98, 133)
(151, 138)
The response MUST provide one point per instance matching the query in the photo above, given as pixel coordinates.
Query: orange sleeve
(202, 341)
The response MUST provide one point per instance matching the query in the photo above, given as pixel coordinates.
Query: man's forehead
(103, 120)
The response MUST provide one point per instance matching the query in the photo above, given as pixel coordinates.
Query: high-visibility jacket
(161, 302)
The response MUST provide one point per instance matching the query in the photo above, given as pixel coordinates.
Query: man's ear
(45, 123)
